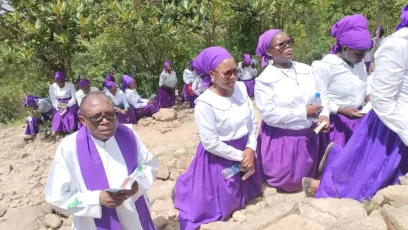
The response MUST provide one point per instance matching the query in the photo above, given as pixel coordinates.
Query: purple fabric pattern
(129, 117)
(94, 174)
(263, 44)
(32, 126)
(204, 196)
(250, 86)
(29, 101)
(247, 59)
(287, 156)
(209, 59)
(404, 18)
(83, 82)
(147, 111)
(184, 94)
(110, 84)
(67, 122)
(374, 158)
(126, 81)
(351, 31)
(165, 98)
(59, 76)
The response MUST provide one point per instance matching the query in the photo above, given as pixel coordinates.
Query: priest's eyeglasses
(110, 116)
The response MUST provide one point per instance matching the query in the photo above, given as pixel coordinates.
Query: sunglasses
(228, 74)
(110, 116)
(282, 45)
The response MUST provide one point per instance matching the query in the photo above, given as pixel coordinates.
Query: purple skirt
(192, 101)
(184, 95)
(374, 158)
(250, 86)
(202, 195)
(165, 99)
(147, 111)
(67, 122)
(287, 156)
(32, 126)
(129, 117)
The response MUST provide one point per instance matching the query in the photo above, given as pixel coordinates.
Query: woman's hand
(350, 112)
(248, 156)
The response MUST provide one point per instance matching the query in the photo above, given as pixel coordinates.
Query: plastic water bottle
(231, 171)
(317, 101)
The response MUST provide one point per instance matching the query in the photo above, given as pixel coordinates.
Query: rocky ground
(173, 137)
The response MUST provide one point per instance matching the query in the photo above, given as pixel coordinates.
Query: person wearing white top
(101, 173)
(65, 108)
(188, 77)
(126, 114)
(200, 84)
(211, 190)
(41, 109)
(284, 94)
(84, 89)
(143, 107)
(377, 153)
(247, 73)
(344, 79)
(166, 97)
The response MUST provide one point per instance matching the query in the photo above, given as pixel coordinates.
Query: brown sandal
(325, 156)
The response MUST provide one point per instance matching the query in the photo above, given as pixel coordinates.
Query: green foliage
(85, 37)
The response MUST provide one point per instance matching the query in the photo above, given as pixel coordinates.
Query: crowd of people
(356, 154)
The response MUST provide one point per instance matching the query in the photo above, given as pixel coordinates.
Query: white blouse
(197, 86)
(389, 91)
(68, 91)
(119, 98)
(168, 79)
(135, 99)
(44, 105)
(246, 73)
(281, 96)
(222, 119)
(344, 86)
(79, 95)
(188, 76)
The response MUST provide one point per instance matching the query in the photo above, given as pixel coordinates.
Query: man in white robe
(92, 164)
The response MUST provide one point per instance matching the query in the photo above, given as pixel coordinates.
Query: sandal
(325, 156)
(307, 186)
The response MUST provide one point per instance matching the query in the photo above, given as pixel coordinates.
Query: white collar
(332, 59)
(273, 74)
(223, 103)
(100, 143)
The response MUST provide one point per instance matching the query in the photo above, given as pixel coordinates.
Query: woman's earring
(212, 80)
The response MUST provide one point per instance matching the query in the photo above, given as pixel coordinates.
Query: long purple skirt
(129, 117)
(184, 95)
(374, 158)
(32, 126)
(147, 111)
(204, 196)
(192, 101)
(250, 86)
(287, 156)
(165, 99)
(66, 123)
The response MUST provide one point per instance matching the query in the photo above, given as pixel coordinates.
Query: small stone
(3, 211)
(52, 221)
(253, 208)
(174, 175)
(14, 205)
(24, 155)
(171, 215)
(183, 163)
(172, 163)
(10, 169)
(239, 217)
(269, 191)
(46, 208)
(163, 173)
(160, 222)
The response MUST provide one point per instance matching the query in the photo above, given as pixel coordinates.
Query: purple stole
(94, 174)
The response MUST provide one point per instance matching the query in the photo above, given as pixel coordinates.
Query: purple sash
(94, 175)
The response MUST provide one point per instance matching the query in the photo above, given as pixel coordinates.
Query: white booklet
(366, 108)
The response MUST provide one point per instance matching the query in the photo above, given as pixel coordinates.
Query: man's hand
(326, 128)
(248, 156)
(112, 200)
(132, 191)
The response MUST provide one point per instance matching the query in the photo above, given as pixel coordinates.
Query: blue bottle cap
(317, 95)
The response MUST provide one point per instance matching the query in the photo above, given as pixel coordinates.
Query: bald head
(93, 100)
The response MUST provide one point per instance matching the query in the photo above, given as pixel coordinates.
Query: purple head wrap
(29, 101)
(247, 59)
(375, 31)
(351, 31)
(263, 44)
(59, 76)
(83, 82)
(109, 84)
(190, 64)
(126, 81)
(404, 18)
(166, 64)
(209, 59)
(108, 77)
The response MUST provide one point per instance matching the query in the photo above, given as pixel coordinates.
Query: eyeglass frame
(101, 117)
(234, 72)
(284, 44)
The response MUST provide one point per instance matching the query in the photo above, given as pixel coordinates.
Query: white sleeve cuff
(334, 108)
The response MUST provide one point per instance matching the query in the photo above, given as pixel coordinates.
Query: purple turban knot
(247, 59)
(126, 81)
(83, 82)
(109, 84)
(29, 101)
(404, 18)
(209, 59)
(108, 77)
(263, 44)
(351, 31)
(167, 64)
(60, 76)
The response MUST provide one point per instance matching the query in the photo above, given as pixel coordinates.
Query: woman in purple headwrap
(166, 97)
(65, 112)
(215, 185)
(285, 94)
(200, 83)
(84, 89)
(344, 78)
(188, 77)
(377, 153)
(108, 77)
(143, 107)
(247, 74)
(126, 114)
(41, 109)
